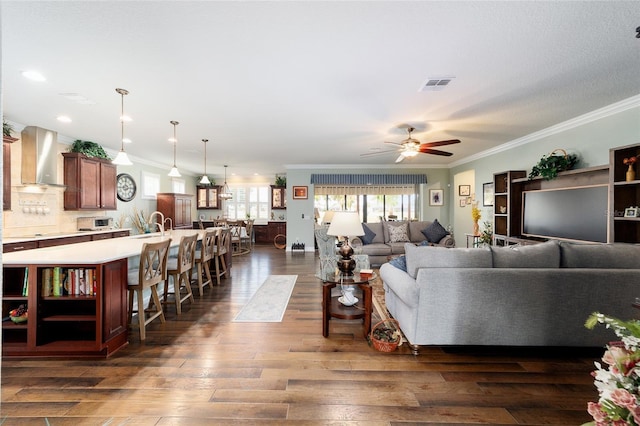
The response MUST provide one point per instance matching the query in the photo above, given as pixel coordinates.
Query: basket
(382, 345)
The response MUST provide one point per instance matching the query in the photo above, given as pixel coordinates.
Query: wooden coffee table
(332, 308)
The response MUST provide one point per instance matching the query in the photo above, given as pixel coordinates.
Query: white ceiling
(277, 84)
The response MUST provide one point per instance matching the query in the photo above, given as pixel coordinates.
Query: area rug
(270, 300)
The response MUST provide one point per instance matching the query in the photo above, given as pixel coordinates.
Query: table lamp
(346, 224)
(328, 217)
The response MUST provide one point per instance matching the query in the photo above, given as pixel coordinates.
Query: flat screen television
(579, 214)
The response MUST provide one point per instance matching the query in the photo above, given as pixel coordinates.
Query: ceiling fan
(411, 147)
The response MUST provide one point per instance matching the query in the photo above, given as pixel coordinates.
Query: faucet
(171, 221)
(160, 224)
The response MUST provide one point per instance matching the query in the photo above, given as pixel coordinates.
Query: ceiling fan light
(409, 153)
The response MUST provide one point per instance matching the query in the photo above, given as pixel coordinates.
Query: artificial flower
(630, 160)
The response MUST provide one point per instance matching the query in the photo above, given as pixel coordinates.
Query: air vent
(435, 83)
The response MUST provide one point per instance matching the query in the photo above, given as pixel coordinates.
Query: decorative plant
(618, 386)
(281, 180)
(7, 128)
(88, 148)
(475, 216)
(387, 334)
(140, 221)
(549, 165)
(486, 237)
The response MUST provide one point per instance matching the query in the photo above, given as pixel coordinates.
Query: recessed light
(33, 75)
(63, 118)
(78, 98)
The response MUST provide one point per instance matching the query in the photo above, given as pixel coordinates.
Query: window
(371, 207)
(150, 185)
(251, 200)
(178, 185)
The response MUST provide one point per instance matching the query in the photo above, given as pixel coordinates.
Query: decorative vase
(476, 228)
(631, 174)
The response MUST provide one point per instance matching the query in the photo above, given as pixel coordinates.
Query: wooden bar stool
(202, 259)
(179, 269)
(152, 270)
(220, 251)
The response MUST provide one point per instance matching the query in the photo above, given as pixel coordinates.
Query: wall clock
(126, 188)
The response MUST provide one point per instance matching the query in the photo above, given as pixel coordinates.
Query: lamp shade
(345, 224)
(328, 216)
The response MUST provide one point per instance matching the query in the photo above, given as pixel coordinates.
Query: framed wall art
(487, 194)
(300, 193)
(436, 197)
(464, 190)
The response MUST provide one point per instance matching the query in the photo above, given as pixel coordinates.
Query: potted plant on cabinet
(90, 149)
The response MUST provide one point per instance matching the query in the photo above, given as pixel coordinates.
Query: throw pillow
(399, 262)
(368, 236)
(435, 232)
(398, 234)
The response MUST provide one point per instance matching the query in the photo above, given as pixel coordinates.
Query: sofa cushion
(368, 236)
(606, 256)
(376, 227)
(376, 249)
(440, 257)
(396, 248)
(399, 262)
(545, 255)
(398, 233)
(415, 230)
(435, 232)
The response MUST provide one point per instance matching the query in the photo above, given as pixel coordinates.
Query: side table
(332, 308)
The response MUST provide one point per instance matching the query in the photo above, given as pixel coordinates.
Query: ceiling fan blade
(440, 143)
(400, 158)
(395, 143)
(435, 152)
(369, 154)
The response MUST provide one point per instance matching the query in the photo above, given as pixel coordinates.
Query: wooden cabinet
(207, 197)
(623, 194)
(52, 242)
(91, 183)
(69, 324)
(260, 233)
(177, 207)
(6, 171)
(507, 208)
(278, 197)
(276, 228)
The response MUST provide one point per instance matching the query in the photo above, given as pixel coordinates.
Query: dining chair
(203, 257)
(246, 237)
(151, 271)
(179, 270)
(219, 253)
(236, 236)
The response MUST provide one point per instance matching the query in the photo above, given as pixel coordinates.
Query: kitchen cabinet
(177, 207)
(91, 183)
(6, 171)
(69, 324)
(52, 242)
(208, 197)
(278, 197)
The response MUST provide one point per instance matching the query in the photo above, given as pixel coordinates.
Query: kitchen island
(89, 322)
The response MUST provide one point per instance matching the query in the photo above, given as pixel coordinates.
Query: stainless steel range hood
(39, 156)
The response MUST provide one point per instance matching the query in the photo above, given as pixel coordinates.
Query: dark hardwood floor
(203, 369)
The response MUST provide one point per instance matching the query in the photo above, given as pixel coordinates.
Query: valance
(365, 190)
(368, 179)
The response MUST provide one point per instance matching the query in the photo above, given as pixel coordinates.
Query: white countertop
(94, 252)
(38, 237)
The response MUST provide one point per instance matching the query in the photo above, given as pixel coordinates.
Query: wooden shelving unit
(506, 208)
(67, 325)
(623, 194)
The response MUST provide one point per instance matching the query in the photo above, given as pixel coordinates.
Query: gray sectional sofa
(535, 295)
(383, 245)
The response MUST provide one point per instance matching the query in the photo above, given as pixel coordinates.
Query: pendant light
(205, 179)
(226, 193)
(122, 159)
(174, 170)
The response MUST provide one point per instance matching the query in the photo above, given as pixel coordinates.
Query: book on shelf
(57, 281)
(47, 281)
(25, 282)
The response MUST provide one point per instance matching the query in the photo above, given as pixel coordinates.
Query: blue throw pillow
(435, 232)
(399, 262)
(368, 236)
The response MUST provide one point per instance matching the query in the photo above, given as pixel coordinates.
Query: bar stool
(220, 251)
(152, 270)
(203, 256)
(179, 269)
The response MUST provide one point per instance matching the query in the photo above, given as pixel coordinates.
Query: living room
(204, 368)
